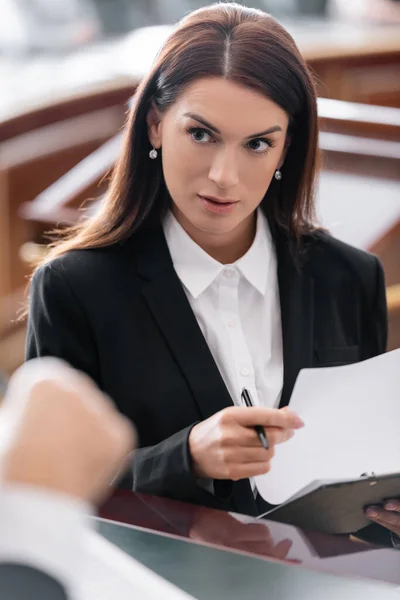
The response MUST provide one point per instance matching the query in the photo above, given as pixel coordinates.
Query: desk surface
(209, 573)
(212, 554)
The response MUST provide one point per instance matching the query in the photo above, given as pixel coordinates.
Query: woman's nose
(224, 170)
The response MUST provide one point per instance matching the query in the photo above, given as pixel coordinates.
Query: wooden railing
(37, 149)
(110, 95)
(393, 298)
(57, 202)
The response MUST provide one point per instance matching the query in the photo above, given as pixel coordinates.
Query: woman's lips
(218, 206)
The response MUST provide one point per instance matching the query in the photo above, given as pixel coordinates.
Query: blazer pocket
(338, 355)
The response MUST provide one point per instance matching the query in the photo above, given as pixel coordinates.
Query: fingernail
(372, 512)
(299, 423)
(392, 505)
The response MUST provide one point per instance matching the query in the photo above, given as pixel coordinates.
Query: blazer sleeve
(165, 470)
(376, 328)
(57, 325)
(19, 582)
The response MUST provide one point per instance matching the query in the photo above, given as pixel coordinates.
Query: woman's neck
(225, 248)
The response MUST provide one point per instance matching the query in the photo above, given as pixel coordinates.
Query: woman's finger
(390, 520)
(244, 471)
(246, 436)
(242, 455)
(393, 505)
(266, 417)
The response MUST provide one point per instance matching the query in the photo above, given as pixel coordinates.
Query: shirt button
(229, 273)
(245, 372)
(232, 324)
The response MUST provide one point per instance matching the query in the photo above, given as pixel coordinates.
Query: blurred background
(69, 67)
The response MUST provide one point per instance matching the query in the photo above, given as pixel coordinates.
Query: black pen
(262, 436)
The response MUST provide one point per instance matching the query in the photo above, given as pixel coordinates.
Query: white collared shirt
(237, 308)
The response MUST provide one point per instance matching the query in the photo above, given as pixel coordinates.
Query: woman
(203, 273)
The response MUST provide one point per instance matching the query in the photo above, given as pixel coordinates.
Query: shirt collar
(255, 263)
(197, 270)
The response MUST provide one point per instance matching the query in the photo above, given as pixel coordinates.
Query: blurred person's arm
(41, 542)
(62, 444)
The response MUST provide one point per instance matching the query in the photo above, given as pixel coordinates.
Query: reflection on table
(263, 539)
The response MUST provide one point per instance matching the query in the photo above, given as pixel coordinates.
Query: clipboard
(337, 507)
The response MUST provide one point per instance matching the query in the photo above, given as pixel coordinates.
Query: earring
(278, 175)
(153, 153)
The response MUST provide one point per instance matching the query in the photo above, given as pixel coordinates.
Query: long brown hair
(243, 45)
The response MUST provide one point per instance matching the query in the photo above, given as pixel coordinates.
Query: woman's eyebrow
(216, 130)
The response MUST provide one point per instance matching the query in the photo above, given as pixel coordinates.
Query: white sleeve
(44, 530)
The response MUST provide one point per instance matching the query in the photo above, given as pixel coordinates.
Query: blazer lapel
(296, 289)
(170, 307)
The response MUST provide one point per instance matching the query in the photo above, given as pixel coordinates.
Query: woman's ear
(154, 127)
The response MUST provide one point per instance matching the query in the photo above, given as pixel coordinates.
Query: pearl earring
(278, 175)
(153, 153)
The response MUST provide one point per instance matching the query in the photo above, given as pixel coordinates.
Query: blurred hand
(388, 516)
(221, 528)
(62, 433)
(225, 446)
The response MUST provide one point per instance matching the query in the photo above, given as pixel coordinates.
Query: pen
(262, 436)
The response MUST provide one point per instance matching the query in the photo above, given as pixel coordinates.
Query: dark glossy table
(215, 555)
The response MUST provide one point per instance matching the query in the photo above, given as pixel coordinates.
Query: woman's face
(221, 144)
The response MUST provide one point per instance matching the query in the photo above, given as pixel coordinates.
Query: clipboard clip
(369, 476)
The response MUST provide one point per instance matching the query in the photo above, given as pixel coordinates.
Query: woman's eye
(259, 145)
(200, 135)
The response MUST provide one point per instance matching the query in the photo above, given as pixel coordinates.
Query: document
(108, 572)
(352, 427)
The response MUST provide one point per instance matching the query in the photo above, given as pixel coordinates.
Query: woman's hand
(388, 516)
(225, 446)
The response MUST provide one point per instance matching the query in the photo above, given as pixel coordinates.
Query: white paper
(352, 426)
(108, 572)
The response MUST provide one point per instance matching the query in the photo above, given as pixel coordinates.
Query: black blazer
(120, 314)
